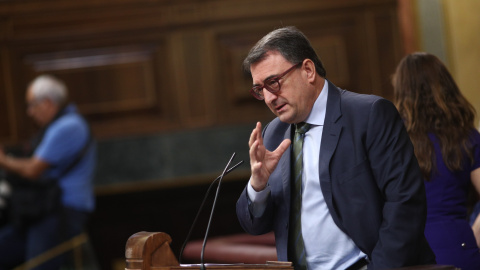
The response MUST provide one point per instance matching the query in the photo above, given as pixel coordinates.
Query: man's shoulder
(67, 127)
(69, 121)
(352, 101)
(354, 97)
(275, 126)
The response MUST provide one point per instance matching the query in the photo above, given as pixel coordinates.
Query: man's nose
(268, 96)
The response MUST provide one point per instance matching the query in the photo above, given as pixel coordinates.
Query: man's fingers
(256, 135)
(253, 151)
(283, 147)
(256, 167)
(259, 132)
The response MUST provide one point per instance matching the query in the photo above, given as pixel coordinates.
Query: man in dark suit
(360, 200)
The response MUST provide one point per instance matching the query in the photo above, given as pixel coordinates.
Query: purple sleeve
(476, 149)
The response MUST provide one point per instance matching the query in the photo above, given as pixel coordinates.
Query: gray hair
(292, 44)
(49, 87)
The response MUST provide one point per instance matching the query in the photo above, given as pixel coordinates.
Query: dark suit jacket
(369, 177)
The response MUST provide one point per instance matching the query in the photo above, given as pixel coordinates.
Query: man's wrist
(257, 188)
(256, 195)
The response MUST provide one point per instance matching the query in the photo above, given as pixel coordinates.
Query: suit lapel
(331, 131)
(330, 137)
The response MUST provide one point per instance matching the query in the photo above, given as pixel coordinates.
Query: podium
(151, 251)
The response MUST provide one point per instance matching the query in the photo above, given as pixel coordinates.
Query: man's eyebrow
(266, 79)
(270, 77)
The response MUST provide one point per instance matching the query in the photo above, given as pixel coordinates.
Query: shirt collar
(317, 115)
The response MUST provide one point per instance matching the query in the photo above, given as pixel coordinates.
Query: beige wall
(462, 24)
(449, 29)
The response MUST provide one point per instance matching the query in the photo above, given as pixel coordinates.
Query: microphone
(219, 179)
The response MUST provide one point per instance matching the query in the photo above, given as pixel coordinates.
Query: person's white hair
(49, 87)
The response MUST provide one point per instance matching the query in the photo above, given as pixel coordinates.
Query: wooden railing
(70, 245)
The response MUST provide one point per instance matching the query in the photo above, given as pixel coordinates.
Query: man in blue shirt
(64, 151)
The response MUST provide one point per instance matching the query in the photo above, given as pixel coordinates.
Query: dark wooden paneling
(116, 88)
(104, 80)
(120, 87)
(137, 67)
(386, 40)
(194, 78)
(6, 121)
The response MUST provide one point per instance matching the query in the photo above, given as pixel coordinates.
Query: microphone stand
(225, 172)
(202, 266)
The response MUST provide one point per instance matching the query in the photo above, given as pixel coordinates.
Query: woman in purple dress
(440, 122)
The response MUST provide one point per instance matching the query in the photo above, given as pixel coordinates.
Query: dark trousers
(18, 245)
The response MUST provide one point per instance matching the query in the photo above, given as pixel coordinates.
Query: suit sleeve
(398, 177)
(252, 224)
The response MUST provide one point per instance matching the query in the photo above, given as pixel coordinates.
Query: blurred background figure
(64, 153)
(440, 122)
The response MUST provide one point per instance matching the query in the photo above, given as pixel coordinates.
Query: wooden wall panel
(107, 80)
(7, 122)
(385, 42)
(121, 88)
(139, 67)
(193, 78)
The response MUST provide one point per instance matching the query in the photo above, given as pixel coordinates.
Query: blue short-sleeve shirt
(63, 141)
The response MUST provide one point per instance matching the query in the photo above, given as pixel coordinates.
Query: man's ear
(309, 68)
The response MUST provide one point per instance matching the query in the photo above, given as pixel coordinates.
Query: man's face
(293, 103)
(39, 110)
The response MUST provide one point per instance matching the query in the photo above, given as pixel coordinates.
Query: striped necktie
(296, 246)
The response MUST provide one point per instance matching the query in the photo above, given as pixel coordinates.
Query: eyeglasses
(272, 84)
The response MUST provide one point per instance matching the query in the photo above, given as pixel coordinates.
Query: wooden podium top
(151, 251)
